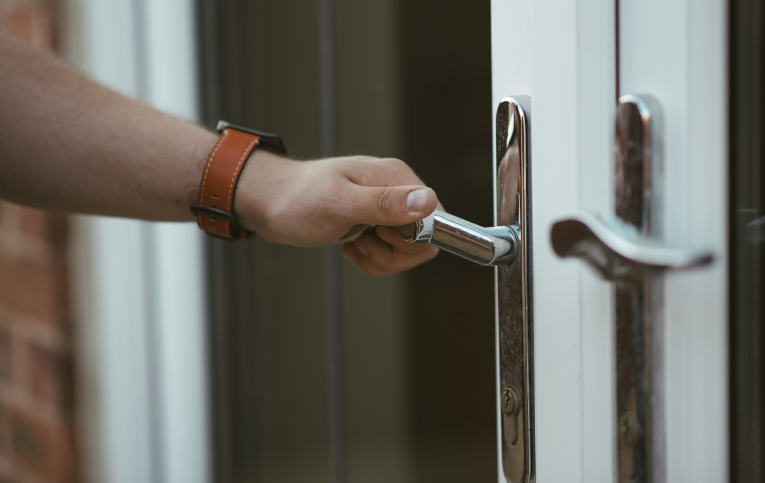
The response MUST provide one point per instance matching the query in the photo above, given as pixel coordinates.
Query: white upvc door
(574, 58)
(677, 50)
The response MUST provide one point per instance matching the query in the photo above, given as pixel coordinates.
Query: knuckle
(396, 164)
(353, 163)
(379, 258)
(383, 201)
(369, 269)
(376, 272)
(360, 158)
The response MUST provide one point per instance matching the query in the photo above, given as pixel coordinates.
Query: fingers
(393, 238)
(366, 171)
(386, 192)
(391, 205)
(378, 258)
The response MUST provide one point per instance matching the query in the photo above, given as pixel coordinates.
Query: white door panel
(683, 63)
(140, 286)
(563, 54)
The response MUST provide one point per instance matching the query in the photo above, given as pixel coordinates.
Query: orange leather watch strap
(214, 209)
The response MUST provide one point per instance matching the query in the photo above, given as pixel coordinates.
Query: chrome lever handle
(508, 247)
(486, 246)
(616, 250)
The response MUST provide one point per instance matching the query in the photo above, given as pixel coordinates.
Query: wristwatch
(214, 208)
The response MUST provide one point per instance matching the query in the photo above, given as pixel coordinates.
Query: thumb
(393, 205)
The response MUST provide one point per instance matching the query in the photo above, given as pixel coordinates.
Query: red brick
(55, 229)
(34, 289)
(33, 223)
(6, 359)
(4, 432)
(7, 479)
(51, 376)
(28, 20)
(42, 448)
(34, 446)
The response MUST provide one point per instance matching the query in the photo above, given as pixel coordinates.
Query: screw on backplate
(630, 434)
(629, 430)
(510, 402)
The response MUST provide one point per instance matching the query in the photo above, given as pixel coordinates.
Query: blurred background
(320, 372)
(143, 352)
(39, 440)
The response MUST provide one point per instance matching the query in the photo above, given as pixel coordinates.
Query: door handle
(616, 250)
(506, 246)
(485, 246)
(628, 249)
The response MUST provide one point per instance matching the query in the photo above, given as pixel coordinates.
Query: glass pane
(747, 218)
(413, 81)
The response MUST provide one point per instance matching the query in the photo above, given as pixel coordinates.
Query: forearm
(69, 144)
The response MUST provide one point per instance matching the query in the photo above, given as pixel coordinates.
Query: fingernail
(417, 200)
(363, 249)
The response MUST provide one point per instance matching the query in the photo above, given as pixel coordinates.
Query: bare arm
(69, 144)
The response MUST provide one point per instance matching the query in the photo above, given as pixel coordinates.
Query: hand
(385, 252)
(314, 203)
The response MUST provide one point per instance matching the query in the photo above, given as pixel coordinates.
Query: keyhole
(511, 405)
(630, 436)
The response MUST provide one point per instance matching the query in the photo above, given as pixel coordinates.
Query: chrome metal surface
(485, 246)
(514, 289)
(755, 230)
(511, 406)
(639, 168)
(508, 247)
(628, 250)
(616, 250)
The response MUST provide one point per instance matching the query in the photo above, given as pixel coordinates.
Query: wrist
(201, 147)
(259, 187)
(221, 180)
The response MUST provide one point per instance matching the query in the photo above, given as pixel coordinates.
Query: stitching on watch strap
(222, 170)
(209, 163)
(236, 175)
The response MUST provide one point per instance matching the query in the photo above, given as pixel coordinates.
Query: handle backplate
(629, 249)
(514, 290)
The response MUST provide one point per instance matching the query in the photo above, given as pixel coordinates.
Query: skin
(71, 145)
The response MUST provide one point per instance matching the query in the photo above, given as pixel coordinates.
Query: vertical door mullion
(563, 55)
(683, 64)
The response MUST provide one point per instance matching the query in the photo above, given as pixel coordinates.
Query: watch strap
(214, 208)
(215, 204)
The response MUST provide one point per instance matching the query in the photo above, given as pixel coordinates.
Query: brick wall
(37, 427)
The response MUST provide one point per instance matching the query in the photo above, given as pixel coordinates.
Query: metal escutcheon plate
(516, 354)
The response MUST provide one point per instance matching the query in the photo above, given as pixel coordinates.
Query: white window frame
(140, 287)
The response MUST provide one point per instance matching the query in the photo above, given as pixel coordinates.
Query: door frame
(139, 287)
(554, 48)
(563, 54)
